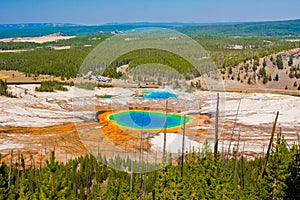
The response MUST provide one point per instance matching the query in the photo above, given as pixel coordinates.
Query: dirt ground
(42, 39)
(35, 144)
(12, 76)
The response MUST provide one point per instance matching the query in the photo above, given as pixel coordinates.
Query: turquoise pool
(156, 94)
(138, 119)
(106, 96)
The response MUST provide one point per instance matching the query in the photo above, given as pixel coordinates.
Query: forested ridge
(268, 28)
(63, 63)
(146, 56)
(204, 177)
(43, 59)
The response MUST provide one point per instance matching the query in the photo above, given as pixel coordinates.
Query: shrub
(3, 90)
(295, 84)
(50, 86)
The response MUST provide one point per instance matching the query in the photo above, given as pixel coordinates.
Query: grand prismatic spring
(149, 120)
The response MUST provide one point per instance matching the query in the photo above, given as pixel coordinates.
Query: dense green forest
(62, 63)
(222, 49)
(43, 59)
(18, 45)
(203, 177)
(146, 56)
(74, 42)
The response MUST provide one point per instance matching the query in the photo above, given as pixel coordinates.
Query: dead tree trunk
(233, 129)
(243, 167)
(41, 158)
(216, 128)
(298, 140)
(146, 175)
(269, 147)
(131, 166)
(10, 169)
(165, 130)
(154, 177)
(18, 168)
(236, 158)
(182, 156)
(30, 177)
(98, 150)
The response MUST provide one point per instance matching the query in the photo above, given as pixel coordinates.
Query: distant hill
(40, 29)
(10, 27)
(274, 28)
(170, 24)
(35, 30)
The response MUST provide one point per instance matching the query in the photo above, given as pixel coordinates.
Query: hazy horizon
(154, 22)
(93, 12)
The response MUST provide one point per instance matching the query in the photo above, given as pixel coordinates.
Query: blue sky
(105, 11)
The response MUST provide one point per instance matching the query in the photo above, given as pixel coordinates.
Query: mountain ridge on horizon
(265, 28)
(146, 22)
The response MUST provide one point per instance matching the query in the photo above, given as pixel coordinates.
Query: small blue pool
(157, 94)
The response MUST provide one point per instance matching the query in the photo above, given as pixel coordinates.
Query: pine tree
(3, 181)
(25, 192)
(264, 63)
(249, 81)
(293, 181)
(276, 77)
(290, 62)
(279, 62)
(230, 70)
(295, 84)
(52, 166)
(278, 169)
